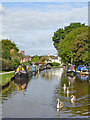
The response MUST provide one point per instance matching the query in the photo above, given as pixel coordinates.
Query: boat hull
(83, 73)
(20, 74)
(71, 73)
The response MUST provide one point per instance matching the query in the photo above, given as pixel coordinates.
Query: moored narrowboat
(71, 70)
(82, 69)
(21, 71)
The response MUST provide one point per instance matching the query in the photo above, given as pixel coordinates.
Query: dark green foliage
(9, 60)
(55, 64)
(80, 49)
(7, 45)
(65, 46)
(15, 63)
(60, 34)
(7, 65)
(35, 58)
(73, 42)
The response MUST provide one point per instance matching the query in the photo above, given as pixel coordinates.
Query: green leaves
(35, 58)
(7, 45)
(75, 40)
(10, 56)
(60, 34)
(80, 47)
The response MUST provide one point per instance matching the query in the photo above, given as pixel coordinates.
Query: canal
(36, 97)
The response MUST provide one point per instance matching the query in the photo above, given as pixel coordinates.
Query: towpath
(6, 72)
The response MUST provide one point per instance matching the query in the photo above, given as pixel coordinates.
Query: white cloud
(33, 28)
(1, 8)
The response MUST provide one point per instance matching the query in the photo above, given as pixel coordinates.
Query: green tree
(35, 58)
(61, 33)
(9, 55)
(55, 64)
(80, 48)
(7, 45)
(15, 63)
(65, 46)
(7, 65)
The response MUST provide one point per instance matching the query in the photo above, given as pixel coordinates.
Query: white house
(54, 58)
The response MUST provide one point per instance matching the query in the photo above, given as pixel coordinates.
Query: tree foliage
(73, 44)
(7, 65)
(65, 46)
(9, 60)
(7, 45)
(35, 58)
(80, 48)
(55, 64)
(61, 33)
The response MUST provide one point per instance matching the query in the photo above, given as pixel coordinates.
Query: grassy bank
(9, 88)
(5, 78)
(2, 71)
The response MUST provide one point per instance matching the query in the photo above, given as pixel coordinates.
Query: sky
(31, 25)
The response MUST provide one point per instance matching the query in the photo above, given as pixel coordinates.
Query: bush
(55, 64)
(7, 65)
(15, 63)
(26, 63)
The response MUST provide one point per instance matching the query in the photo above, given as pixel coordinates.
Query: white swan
(68, 91)
(59, 104)
(73, 98)
(64, 87)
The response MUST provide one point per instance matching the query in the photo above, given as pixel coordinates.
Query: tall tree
(7, 45)
(80, 48)
(61, 33)
(65, 46)
(9, 55)
(35, 58)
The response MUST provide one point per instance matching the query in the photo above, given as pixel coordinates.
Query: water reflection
(53, 73)
(41, 93)
(19, 83)
(71, 80)
(75, 98)
(83, 77)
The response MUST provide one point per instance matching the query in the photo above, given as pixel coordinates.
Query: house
(25, 59)
(54, 58)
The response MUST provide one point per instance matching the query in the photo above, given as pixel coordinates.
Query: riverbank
(5, 77)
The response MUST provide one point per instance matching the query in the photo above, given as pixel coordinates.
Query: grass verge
(5, 78)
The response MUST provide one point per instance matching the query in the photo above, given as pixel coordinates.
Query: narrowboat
(82, 69)
(21, 71)
(71, 70)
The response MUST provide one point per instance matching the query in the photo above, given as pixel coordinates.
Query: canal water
(36, 97)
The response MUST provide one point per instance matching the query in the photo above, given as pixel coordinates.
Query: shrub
(7, 65)
(55, 64)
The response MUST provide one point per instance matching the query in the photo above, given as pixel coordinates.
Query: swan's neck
(58, 104)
